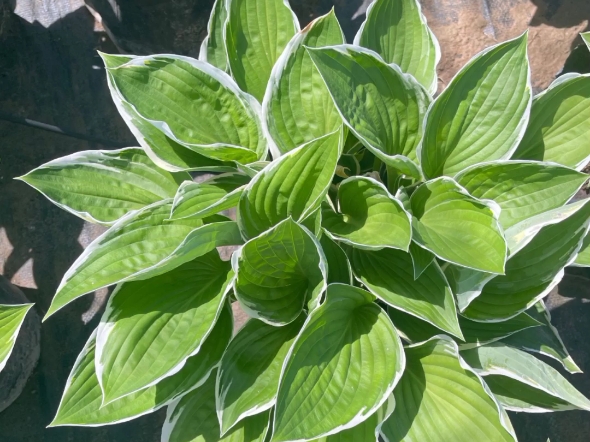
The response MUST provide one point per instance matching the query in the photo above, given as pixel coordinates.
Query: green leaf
(279, 272)
(213, 49)
(482, 114)
(199, 200)
(151, 327)
(559, 128)
(502, 360)
(389, 121)
(586, 37)
(544, 339)
(389, 275)
(522, 189)
(325, 387)
(583, 258)
(369, 216)
(457, 227)
(292, 186)
(440, 399)
(140, 245)
(367, 430)
(192, 419)
(193, 104)
(466, 284)
(421, 259)
(11, 320)
(129, 181)
(81, 403)
(532, 272)
(397, 31)
(256, 33)
(480, 333)
(248, 376)
(297, 107)
(338, 265)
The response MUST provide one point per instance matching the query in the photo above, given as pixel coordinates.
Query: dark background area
(50, 72)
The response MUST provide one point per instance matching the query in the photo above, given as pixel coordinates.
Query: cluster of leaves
(384, 216)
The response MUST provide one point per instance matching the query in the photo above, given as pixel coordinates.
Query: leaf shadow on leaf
(411, 408)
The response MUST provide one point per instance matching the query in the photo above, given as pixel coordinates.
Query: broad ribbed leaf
(583, 258)
(338, 265)
(81, 403)
(128, 181)
(151, 327)
(280, 272)
(192, 103)
(440, 399)
(421, 259)
(297, 107)
(559, 128)
(193, 419)
(383, 107)
(140, 245)
(586, 37)
(522, 189)
(291, 186)
(475, 334)
(457, 227)
(325, 386)
(389, 275)
(544, 339)
(482, 114)
(11, 320)
(367, 430)
(466, 284)
(213, 47)
(397, 30)
(502, 360)
(256, 33)
(198, 200)
(532, 272)
(369, 216)
(248, 376)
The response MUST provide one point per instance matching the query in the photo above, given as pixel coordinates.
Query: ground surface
(49, 71)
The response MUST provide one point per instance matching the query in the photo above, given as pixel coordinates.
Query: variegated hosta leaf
(475, 334)
(440, 399)
(522, 189)
(397, 30)
(482, 114)
(128, 181)
(151, 327)
(367, 430)
(457, 227)
(11, 320)
(140, 245)
(389, 275)
(586, 37)
(192, 103)
(501, 360)
(583, 258)
(338, 265)
(199, 200)
(81, 403)
(369, 216)
(291, 186)
(248, 376)
(544, 339)
(192, 419)
(559, 128)
(466, 284)
(213, 49)
(532, 272)
(325, 387)
(421, 259)
(279, 272)
(256, 33)
(297, 107)
(383, 107)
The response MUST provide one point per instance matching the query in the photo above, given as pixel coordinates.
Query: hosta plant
(12, 318)
(391, 247)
